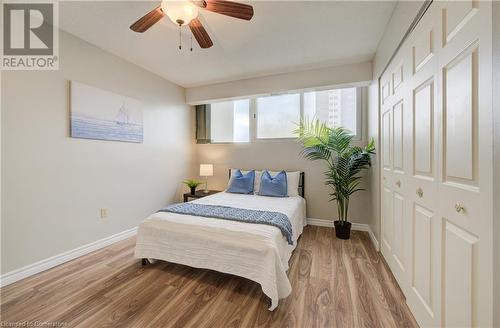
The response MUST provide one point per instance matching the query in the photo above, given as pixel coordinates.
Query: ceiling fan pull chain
(191, 42)
(180, 37)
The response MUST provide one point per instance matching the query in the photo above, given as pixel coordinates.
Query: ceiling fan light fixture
(185, 12)
(180, 12)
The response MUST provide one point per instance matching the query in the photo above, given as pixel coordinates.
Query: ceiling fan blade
(200, 34)
(228, 8)
(148, 20)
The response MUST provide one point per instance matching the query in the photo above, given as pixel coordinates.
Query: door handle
(459, 207)
(420, 192)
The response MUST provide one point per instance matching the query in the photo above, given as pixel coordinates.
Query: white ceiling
(283, 36)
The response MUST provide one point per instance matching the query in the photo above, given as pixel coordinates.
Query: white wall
(372, 132)
(278, 155)
(53, 186)
(352, 75)
(401, 19)
(284, 154)
(403, 15)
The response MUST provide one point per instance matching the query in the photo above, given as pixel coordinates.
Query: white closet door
(395, 162)
(436, 140)
(387, 193)
(466, 173)
(423, 296)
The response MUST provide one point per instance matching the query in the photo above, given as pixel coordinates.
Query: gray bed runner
(275, 219)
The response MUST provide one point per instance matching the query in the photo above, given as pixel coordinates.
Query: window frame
(250, 123)
(253, 115)
(256, 116)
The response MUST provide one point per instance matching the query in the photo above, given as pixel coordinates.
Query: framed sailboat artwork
(103, 115)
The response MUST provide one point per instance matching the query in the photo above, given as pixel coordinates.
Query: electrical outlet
(104, 213)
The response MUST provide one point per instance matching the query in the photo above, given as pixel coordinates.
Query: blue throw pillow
(242, 184)
(275, 187)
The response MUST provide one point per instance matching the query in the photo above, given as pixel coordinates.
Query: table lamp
(206, 170)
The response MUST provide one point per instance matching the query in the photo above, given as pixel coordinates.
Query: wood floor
(335, 284)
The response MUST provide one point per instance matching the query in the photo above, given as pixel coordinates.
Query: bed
(257, 252)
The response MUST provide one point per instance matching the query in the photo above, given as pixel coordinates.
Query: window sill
(356, 142)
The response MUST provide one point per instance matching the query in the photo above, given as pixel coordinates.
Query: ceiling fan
(185, 12)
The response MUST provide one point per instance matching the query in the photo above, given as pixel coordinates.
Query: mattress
(257, 252)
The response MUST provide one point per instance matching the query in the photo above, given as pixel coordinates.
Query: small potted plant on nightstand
(344, 163)
(192, 184)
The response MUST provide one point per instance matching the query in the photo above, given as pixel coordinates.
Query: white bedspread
(257, 252)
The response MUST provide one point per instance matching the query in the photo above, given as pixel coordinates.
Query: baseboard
(320, 222)
(32, 269)
(355, 226)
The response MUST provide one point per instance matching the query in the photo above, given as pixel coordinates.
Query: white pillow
(293, 179)
(292, 182)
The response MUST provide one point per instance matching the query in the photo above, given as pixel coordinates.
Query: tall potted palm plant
(344, 163)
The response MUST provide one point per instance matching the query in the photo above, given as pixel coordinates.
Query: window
(336, 107)
(277, 116)
(230, 121)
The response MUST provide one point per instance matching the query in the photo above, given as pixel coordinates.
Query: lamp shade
(206, 170)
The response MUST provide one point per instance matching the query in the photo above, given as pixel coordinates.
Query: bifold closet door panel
(387, 222)
(466, 175)
(395, 122)
(423, 296)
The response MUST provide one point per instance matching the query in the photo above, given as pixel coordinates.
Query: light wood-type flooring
(335, 283)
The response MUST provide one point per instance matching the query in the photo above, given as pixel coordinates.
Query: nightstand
(199, 194)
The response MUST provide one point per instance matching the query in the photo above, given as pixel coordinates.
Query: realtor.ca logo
(30, 40)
